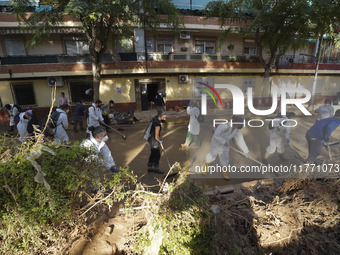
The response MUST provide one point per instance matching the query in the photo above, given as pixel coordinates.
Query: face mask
(163, 121)
(67, 111)
(105, 138)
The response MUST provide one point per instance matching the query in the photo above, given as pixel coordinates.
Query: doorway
(148, 94)
(145, 91)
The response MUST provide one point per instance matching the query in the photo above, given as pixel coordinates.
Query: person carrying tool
(279, 135)
(319, 135)
(12, 110)
(106, 109)
(194, 125)
(219, 145)
(154, 141)
(94, 116)
(60, 134)
(325, 111)
(97, 143)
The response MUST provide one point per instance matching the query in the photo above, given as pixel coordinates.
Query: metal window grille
(24, 94)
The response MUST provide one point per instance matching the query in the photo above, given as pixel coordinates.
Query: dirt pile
(294, 216)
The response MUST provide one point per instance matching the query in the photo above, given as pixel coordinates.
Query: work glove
(324, 142)
(114, 169)
(189, 104)
(287, 140)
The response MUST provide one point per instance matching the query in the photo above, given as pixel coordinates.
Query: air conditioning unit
(184, 35)
(183, 78)
(55, 80)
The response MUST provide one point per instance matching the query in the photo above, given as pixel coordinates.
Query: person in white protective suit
(22, 124)
(12, 111)
(60, 134)
(95, 117)
(279, 135)
(325, 111)
(101, 152)
(194, 125)
(219, 145)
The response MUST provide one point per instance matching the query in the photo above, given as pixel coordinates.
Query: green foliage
(182, 219)
(35, 220)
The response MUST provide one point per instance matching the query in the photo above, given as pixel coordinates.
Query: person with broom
(155, 141)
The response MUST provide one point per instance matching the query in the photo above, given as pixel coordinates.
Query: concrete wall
(122, 90)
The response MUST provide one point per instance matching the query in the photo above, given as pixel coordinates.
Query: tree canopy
(100, 19)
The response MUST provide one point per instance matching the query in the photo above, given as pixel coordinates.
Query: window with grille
(81, 90)
(24, 94)
(164, 46)
(250, 50)
(15, 46)
(205, 47)
(76, 46)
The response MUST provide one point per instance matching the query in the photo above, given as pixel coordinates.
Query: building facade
(169, 62)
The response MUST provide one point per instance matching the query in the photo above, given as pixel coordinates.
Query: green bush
(35, 220)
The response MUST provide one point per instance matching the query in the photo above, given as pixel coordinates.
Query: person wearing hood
(279, 135)
(219, 145)
(60, 134)
(97, 144)
(325, 111)
(194, 125)
(22, 124)
(159, 100)
(95, 116)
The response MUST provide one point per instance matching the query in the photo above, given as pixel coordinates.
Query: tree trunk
(317, 60)
(96, 70)
(266, 80)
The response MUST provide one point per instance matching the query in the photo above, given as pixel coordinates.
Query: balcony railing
(155, 56)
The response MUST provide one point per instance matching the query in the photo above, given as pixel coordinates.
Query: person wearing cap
(33, 124)
(155, 141)
(22, 124)
(95, 117)
(97, 144)
(219, 145)
(159, 100)
(325, 111)
(279, 135)
(319, 134)
(60, 134)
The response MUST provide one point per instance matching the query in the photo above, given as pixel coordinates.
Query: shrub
(35, 220)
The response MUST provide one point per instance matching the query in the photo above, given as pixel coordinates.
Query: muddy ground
(107, 232)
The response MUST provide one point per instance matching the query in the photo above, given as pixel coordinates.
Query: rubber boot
(225, 176)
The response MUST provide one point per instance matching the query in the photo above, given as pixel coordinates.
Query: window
(78, 89)
(24, 93)
(76, 46)
(164, 46)
(250, 50)
(15, 47)
(205, 47)
(149, 45)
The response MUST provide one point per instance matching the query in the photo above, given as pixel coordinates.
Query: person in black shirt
(159, 100)
(33, 121)
(154, 142)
